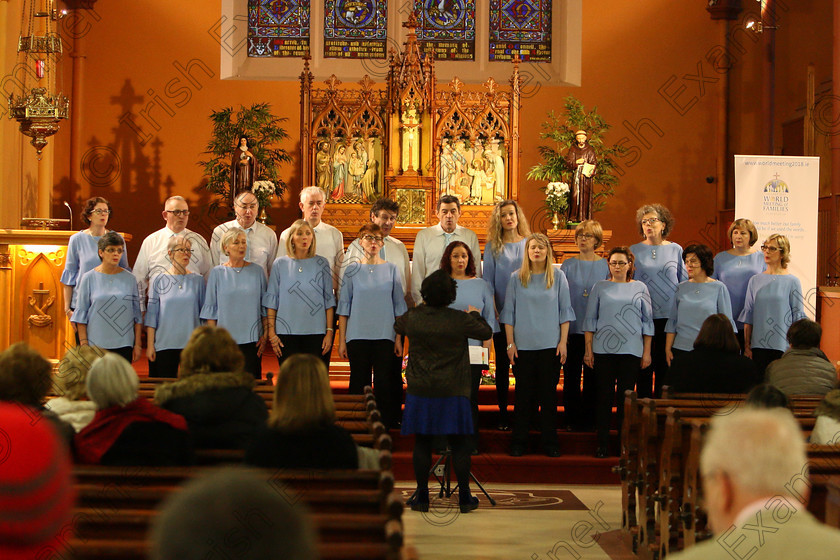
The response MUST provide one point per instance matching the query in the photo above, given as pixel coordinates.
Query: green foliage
(560, 129)
(264, 132)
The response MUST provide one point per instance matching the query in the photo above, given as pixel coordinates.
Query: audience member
(754, 471)
(262, 241)
(213, 392)
(302, 432)
(803, 369)
(765, 395)
(232, 513)
(827, 428)
(36, 488)
(128, 429)
(716, 364)
(26, 378)
(72, 404)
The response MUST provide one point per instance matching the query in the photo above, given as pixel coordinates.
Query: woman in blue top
(371, 299)
(172, 314)
(503, 252)
(83, 251)
(472, 293)
(536, 316)
(582, 272)
(773, 302)
(618, 328)
(299, 301)
(659, 264)
(694, 301)
(234, 299)
(108, 305)
(736, 266)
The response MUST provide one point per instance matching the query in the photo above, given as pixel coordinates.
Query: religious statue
(339, 178)
(494, 154)
(356, 167)
(322, 167)
(581, 158)
(410, 138)
(447, 168)
(242, 168)
(368, 183)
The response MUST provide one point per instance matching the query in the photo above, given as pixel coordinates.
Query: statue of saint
(339, 166)
(581, 158)
(242, 168)
(410, 139)
(323, 167)
(494, 155)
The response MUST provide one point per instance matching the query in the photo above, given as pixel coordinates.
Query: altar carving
(411, 140)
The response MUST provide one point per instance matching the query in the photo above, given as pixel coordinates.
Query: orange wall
(630, 52)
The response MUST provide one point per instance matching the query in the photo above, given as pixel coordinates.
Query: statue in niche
(356, 167)
(581, 158)
(242, 168)
(339, 167)
(369, 191)
(479, 178)
(410, 138)
(494, 154)
(322, 167)
(447, 168)
(462, 160)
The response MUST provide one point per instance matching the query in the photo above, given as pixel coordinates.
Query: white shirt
(262, 244)
(329, 243)
(153, 258)
(428, 250)
(393, 251)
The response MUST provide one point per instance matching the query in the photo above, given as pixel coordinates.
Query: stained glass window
(520, 26)
(278, 28)
(447, 28)
(355, 28)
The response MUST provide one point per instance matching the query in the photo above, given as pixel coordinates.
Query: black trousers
(645, 387)
(615, 373)
(126, 352)
(475, 383)
(461, 461)
(502, 373)
(397, 395)
(579, 405)
(376, 356)
(166, 363)
(762, 358)
(302, 344)
(537, 373)
(253, 363)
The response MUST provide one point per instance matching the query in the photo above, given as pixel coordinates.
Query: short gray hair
(111, 381)
(230, 235)
(305, 192)
(176, 240)
(761, 450)
(175, 197)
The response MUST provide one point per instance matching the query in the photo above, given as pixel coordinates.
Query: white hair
(174, 197)
(176, 240)
(231, 235)
(305, 192)
(761, 450)
(111, 381)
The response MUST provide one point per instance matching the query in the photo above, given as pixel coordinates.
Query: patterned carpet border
(546, 500)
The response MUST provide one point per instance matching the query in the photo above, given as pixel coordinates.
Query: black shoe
(470, 504)
(602, 453)
(517, 451)
(552, 452)
(419, 501)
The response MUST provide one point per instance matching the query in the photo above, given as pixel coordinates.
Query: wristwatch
(509, 346)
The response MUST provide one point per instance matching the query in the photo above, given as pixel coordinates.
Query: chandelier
(39, 106)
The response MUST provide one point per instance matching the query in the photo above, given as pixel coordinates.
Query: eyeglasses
(372, 239)
(585, 236)
(179, 213)
(114, 250)
(692, 262)
(619, 264)
(650, 221)
(252, 206)
(769, 248)
(182, 250)
(101, 212)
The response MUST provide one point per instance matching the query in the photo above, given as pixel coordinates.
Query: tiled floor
(486, 534)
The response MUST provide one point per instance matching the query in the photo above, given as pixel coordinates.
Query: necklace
(235, 269)
(589, 281)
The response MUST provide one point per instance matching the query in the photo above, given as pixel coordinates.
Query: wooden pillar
(835, 138)
(76, 117)
(46, 172)
(768, 97)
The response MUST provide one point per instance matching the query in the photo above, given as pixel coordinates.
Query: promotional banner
(780, 195)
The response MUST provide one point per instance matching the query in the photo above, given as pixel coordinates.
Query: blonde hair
(210, 350)
(293, 229)
(232, 235)
(495, 230)
(73, 369)
(302, 395)
(593, 227)
(784, 247)
(525, 270)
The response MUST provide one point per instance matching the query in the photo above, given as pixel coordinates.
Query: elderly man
(329, 243)
(153, 257)
(755, 480)
(262, 241)
(432, 241)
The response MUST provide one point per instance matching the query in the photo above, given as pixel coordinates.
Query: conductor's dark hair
(438, 290)
(716, 333)
(804, 334)
(766, 396)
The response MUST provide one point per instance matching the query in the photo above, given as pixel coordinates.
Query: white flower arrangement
(264, 189)
(557, 196)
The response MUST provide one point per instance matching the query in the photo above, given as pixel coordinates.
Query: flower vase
(556, 221)
(263, 217)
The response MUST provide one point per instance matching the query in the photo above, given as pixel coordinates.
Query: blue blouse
(476, 292)
(772, 304)
(371, 298)
(535, 312)
(300, 290)
(693, 303)
(582, 276)
(82, 256)
(109, 304)
(661, 268)
(174, 307)
(620, 315)
(497, 270)
(233, 300)
(735, 272)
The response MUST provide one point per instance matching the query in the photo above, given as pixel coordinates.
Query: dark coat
(322, 447)
(221, 409)
(802, 371)
(150, 444)
(712, 371)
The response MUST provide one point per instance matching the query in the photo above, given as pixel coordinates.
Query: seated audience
(36, 488)
(72, 404)
(213, 392)
(231, 514)
(765, 395)
(128, 429)
(26, 378)
(803, 369)
(301, 429)
(754, 471)
(827, 428)
(716, 364)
